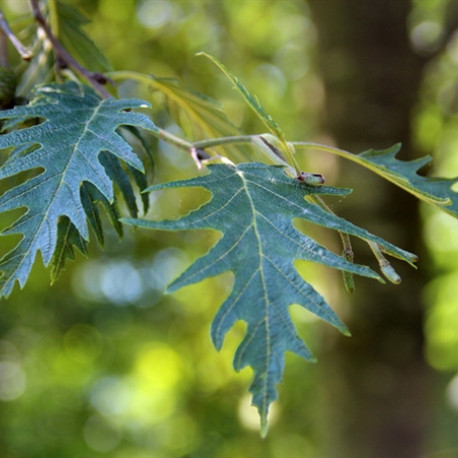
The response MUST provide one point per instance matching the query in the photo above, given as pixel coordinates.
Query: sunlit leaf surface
(254, 206)
(76, 126)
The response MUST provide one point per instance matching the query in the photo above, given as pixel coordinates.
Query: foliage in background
(101, 331)
(188, 115)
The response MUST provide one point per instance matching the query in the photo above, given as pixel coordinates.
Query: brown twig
(65, 59)
(24, 52)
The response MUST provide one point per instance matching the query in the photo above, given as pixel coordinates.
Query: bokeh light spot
(111, 396)
(13, 381)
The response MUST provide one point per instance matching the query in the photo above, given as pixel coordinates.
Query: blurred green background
(103, 364)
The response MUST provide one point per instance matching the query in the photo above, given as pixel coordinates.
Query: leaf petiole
(385, 266)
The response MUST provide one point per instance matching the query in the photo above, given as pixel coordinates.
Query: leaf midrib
(264, 288)
(60, 184)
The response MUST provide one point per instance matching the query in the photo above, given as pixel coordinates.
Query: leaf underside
(78, 149)
(254, 206)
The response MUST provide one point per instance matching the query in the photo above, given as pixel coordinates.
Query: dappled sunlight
(426, 36)
(452, 393)
(121, 284)
(13, 381)
(249, 415)
(318, 276)
(124, 283)
(302, 316)
(442, 322)
(440, 235)
(158, 366)
(117, 282)
(111, 395)
(108, 363)
(155, 15)
(155, 383)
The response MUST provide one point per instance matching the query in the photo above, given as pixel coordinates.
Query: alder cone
(7, 87)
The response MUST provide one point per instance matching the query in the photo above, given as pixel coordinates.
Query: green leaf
(70, 23)
(68, 238)
(77, 125)
(434, 191)
(143, 149)
(200, 117)
(250, 99)
(115, 171)
(254, 206)
(204, 115)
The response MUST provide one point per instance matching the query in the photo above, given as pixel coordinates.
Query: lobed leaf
(434, 191)
(68, 238)
(77, 126)
(254, 206)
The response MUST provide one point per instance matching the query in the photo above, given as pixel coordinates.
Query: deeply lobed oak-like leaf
(254, 206)
(435, 191)
(77, 127)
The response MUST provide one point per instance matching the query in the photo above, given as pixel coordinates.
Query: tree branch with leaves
(73, 131)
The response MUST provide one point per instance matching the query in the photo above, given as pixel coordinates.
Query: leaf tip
(391, 274)
(349, 282)
(173, 286)
(264, 429)
(205, 54)
(344, 330)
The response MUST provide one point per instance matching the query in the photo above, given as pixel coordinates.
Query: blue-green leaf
(253, 205)
(435, 191)
(76, 126)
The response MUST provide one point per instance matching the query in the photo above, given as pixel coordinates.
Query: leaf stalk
(24, 52)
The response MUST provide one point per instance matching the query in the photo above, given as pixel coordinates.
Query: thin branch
(220, 141)
(64, 58)
(197, 153)
(23, 51)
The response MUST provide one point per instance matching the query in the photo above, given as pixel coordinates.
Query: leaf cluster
(78, 143)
